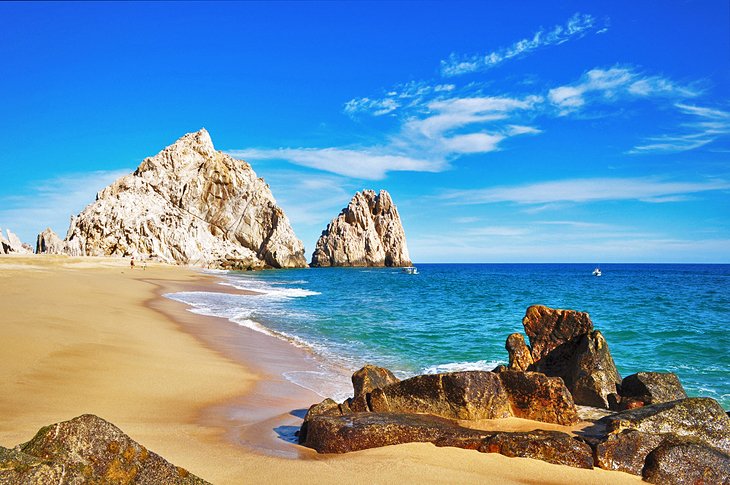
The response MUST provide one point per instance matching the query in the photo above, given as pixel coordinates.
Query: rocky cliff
(189, 204)
(368, 232)
(13, 244)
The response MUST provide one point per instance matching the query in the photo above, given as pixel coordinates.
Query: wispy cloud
(51, 202)
(584, 190)
(365, 163)
(577, 26)
(614, 84)
(707, 125)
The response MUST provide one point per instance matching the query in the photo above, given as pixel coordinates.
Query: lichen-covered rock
(535, 396)
(88, 449)
(652, 387)
(456, 395)
(368, 232)
(189, 204)
(550, 446)
(48, 242)
(519, 353)
(548, 328)
(626, 451)
(686, 463)
(700, 418)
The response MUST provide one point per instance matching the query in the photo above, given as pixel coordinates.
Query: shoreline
(80, 337)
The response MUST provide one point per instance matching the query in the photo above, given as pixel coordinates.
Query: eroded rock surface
(520, 357)
(87, 449)
(48, 242)
(189, 204)
(684, 463)
(368, 232)
(535, 396)
(652, 387)
(13, 244)
(549, 328)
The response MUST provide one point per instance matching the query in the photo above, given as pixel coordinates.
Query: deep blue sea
(655, 317)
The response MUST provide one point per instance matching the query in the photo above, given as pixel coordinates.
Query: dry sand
(89, 335)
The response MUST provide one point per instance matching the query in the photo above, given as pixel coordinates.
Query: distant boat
(597, 272)
(410, 270)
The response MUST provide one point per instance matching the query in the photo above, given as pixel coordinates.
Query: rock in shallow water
(368, 232)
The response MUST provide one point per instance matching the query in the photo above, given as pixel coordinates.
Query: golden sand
(89, 335)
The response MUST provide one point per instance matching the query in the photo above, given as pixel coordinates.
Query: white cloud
(608, 85)
(51, 202)
(583, 190)
(708, 125)
(367, 163)
(376, 107)
(577, 26)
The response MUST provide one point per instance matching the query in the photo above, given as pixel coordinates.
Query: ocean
(655, 317)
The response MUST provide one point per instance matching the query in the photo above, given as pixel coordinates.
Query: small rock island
(368, 232)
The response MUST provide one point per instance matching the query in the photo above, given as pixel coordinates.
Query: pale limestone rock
(13, 244)
(48, 242)
(189, 204)
(368, 232)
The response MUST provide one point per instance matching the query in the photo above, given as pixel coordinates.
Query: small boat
(410, 270)
(597, 272)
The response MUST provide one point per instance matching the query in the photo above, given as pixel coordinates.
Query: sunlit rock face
(189, 204)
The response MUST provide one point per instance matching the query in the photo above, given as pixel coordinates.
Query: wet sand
(88, 335)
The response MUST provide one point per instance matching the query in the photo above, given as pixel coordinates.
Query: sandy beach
(89, 335)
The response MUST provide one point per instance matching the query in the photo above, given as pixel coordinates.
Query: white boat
(597, 272)
(410, 270)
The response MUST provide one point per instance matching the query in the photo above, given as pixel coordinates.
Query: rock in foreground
(87, 449)
(189, 204)
(368, 232)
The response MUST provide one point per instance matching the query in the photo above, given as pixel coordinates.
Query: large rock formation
(368, 232)
(48, 242)
(189, 204)
(87, 449)
(13, 244)
(563, 344)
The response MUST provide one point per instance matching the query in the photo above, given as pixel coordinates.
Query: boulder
(360, 431)
(519, 353)
(549, 328)
(13, 244)
(700, 418)
(48, 242)
(364, 381)
(465, 395)
(535, 396)
(328, 407)
(88, 449)
(686, 462)
(626, 451)
(652, 387)
(189, 204)
(550, 446)
(368, 232)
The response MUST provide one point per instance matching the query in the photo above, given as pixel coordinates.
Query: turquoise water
(655, 317)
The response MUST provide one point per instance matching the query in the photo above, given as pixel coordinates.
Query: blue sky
(505, 131)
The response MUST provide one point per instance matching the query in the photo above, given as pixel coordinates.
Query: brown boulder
(626, 451)
(88, 449)
(328, 407)
(548, 328)
(685, 462)
(700, 418)
(519, 353)
(586, 366)
(364, 381)
(360, 431)
(652, 387)
(456, 395)
(550, 446)
(533, 395)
